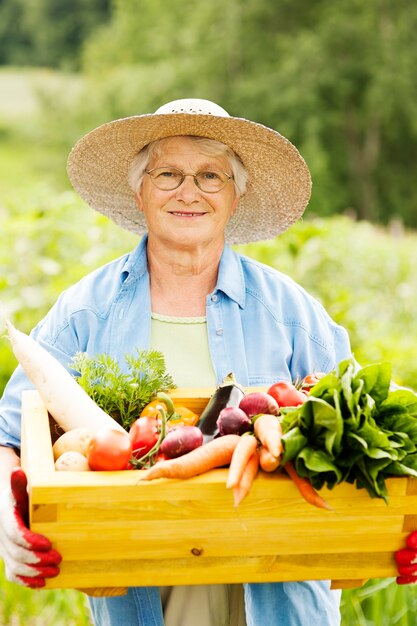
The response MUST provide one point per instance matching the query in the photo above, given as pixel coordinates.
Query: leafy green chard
(354, 427)
(122, 393)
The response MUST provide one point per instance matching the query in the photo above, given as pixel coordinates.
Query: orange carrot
(216, 453)
(268, 461)
(246, 446)
(306, 488)
(244, 486)
(269, 432)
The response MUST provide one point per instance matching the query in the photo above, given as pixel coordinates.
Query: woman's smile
(187, 214)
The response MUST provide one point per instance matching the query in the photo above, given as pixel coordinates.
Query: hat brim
(279, 184)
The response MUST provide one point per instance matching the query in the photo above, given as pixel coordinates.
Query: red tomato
(144, 433)
(311, 379)
(109, 449)
(286, 394)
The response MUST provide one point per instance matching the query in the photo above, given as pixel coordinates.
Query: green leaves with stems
(354, 427)
(123, 393)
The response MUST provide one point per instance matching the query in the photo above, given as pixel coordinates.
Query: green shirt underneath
(184, 344)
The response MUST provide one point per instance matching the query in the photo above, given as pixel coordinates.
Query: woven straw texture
(279, 180)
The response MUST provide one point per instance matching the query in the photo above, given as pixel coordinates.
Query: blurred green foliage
(338, 79)
(46, 32)
(380, 602)
(20, 606)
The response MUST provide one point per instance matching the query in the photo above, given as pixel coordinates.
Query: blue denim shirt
(261, 325)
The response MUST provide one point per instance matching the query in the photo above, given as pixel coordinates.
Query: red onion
(180, 440)
(233, 421)
(259, 402)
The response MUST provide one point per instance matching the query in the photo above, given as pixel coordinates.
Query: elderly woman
(191, 179)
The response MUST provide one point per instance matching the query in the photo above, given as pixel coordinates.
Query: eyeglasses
(170, 178)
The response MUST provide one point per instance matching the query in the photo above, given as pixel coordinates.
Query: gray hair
(210, 147)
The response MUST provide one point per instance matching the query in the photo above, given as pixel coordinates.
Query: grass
(20, 606)
(381, 602)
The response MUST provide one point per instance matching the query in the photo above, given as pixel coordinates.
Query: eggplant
(228, 393)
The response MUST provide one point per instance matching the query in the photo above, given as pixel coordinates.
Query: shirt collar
(230, 279)
(136, 264)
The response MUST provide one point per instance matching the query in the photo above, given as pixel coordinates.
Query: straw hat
(279, 183)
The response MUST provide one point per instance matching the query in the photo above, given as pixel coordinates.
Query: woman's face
(186, 216)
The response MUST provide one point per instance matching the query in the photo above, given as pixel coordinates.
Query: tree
(337, 78)
(46, 32)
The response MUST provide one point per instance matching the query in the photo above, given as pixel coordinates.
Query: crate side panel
(200, 570)
(113, 487)
(36, 437)
(176, 539)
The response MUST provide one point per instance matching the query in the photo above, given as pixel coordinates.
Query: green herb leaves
(353, 428)
(123, 394)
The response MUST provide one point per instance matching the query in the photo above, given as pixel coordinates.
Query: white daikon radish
(64, 398)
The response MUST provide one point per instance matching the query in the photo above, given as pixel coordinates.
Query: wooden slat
(200, 570)
(37, 455)
(348, 584)
(284, 513)
(410, 521)
(85, 542)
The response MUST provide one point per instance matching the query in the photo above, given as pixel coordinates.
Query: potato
(75, 440)
(72, 461)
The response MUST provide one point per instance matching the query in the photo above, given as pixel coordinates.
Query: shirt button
(214, 298)
(219, 331)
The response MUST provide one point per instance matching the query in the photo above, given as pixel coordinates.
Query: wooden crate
(114, 530)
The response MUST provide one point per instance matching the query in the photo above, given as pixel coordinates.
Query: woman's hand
(29, 558)
(406, 559)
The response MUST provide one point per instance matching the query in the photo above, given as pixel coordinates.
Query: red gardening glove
(406, 559)
(28, 557)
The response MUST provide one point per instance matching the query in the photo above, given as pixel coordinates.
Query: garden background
(337, 79)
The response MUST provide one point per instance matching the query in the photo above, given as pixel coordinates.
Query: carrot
(268, 461)
(215, 453)
(64, 398)
(244, 486)
(305, 488)
(269, 432)
(246, 446)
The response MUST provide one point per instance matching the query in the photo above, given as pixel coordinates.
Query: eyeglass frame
(184, 175)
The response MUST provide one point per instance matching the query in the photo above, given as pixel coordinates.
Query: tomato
(286, 394)
(109, 449)
(311, 379)
(144, 433)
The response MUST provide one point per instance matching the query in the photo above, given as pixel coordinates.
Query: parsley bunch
(122, 393)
